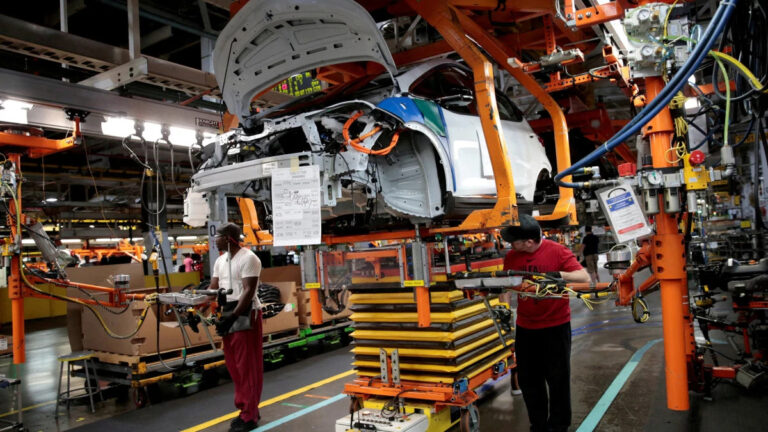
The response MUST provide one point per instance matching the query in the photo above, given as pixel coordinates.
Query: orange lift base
(441, 394)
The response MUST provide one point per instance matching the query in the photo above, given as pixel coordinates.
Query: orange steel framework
(665, 251)
(443, 395)
(598, 14)
(445, 19)
(254, 235)
(452, 19)
(123, 248)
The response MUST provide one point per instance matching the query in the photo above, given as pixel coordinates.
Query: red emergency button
(627, 169)
(697, 157)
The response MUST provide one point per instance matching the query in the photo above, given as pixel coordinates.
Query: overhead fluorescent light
(106, 240)
(14, 104)
(27, 242)
(91, 226)
(13, 111)
(71, 241)
(121, 127)
(186, 238)
(51, 199)
(117, 127)
(183, 136)
(152, 131)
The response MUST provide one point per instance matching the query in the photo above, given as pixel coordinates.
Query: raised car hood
(270, 40)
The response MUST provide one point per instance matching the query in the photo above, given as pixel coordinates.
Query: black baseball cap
(528, 229)
(229, 230)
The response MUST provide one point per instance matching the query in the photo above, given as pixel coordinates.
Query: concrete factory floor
(604, 341)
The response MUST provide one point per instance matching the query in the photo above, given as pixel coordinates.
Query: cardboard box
(288, 318)
(291, 273)
(305, 310)
(145, 341)
(94, 275)
(6, 344)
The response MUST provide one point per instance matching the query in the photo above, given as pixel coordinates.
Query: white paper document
(296, 206)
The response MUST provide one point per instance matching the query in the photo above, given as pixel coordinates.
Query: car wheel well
(545, 185)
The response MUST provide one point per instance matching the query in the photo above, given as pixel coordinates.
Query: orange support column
(422, 306)
(445, 19)
(17, 312)
(316, 308)
(668, 260)
(15, 288)
(566, 205)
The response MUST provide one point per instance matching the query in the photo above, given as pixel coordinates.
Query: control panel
(367, 420)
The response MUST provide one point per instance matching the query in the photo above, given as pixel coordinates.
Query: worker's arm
(578, 276)
(246, 298)
(214, 284)
(577, 273)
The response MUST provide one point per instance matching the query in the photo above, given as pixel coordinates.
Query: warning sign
(624, 213)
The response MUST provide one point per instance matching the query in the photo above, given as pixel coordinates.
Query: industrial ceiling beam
(74, 179)
(99, 204)
(157, 36)
(223, 4)
(90, 233)
(166, 18)
(51, 92)
(42, 42)
(30, 39)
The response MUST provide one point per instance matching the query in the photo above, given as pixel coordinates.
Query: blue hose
(719, 20)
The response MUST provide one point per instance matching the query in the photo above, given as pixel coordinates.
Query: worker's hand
(224, 324)
(555, 275)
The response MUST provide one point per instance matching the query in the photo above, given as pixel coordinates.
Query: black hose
(749, 45)
(271, 302)
(759, 224)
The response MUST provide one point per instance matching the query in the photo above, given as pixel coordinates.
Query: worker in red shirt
(543, 330)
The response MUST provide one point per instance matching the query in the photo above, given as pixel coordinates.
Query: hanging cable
(720, 19)
(749, 50)
(31, 286)
(165, 130)
(727, 99)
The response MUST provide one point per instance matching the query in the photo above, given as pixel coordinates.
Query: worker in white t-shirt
(240, 326)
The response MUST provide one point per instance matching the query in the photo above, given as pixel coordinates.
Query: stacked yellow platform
(461, 342)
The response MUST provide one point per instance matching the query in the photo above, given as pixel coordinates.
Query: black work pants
(544, 362)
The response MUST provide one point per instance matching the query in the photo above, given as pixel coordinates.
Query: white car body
(439, 168)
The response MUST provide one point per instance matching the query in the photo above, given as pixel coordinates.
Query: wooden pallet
(134, 361)
(280, 337)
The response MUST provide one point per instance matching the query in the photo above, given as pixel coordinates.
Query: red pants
(243, 354)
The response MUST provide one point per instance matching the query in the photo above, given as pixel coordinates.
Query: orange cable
(355, 143)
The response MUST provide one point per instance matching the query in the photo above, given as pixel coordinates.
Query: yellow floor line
(267, 402)
(29, 408)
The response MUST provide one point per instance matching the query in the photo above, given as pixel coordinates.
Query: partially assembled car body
(402, 146)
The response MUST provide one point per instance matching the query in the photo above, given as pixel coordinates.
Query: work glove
(554, 275)
(224, 324)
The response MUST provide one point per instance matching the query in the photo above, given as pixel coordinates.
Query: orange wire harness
(355, 143)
